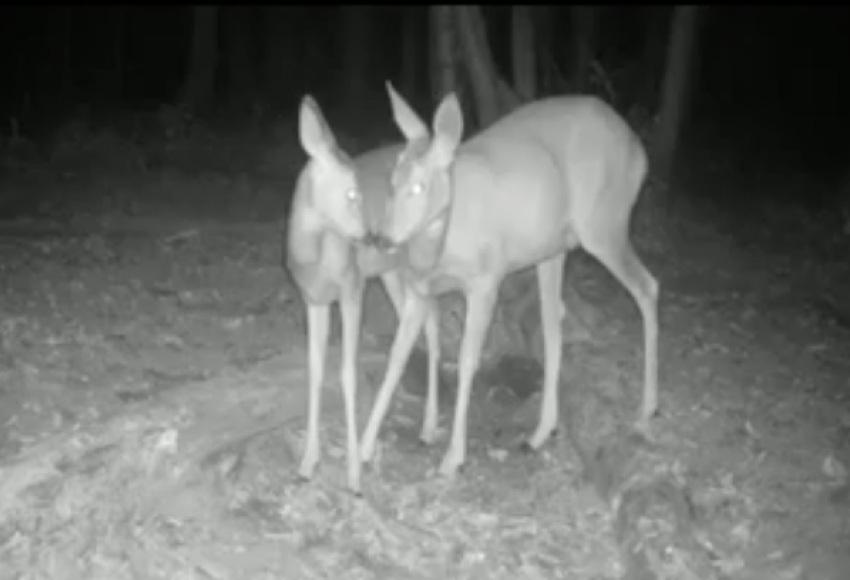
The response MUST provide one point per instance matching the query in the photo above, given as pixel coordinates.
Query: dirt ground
(153, 392)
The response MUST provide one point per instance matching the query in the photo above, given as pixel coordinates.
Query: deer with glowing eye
(552, 175)
(335, 207)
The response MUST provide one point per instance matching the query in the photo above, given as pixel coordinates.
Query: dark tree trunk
(67, 48)
(241, 66)
(444, 52)
(119, 25)
(676, 88)
(410, 49)
(493, 96)
(356, 34)
(199, 86)
(523, 51)
(656, 38)
(584, 44)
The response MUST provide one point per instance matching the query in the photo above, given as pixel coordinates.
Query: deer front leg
(351, 307)
(395, 290)
(412, 317)
(479, 311)
(432, 336)
(318, 325)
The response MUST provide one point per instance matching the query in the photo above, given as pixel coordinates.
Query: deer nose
(379, 242)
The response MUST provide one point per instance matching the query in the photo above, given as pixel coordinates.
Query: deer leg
(351, 307)
(318, 326)
(480, 302)
(412, 317)
(432, 337)
(550, 276)
(612, 247)
(395, 291)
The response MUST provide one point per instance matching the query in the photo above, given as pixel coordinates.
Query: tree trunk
(24, 78)
(844, 203)
(547, 67)
(356, 36)
(675, 89)
(584, 44)
(67, 47)
(199, 85)
(523, 51)
(242, 73)
(444, 66)
(119, 33)
(410, 49)
(277, 71)
(493, 96)
(655, 42)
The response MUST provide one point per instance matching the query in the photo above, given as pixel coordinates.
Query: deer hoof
(427, 439)
(528, 448)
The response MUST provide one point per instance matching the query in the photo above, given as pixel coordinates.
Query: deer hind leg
(318, 327)
(611, 246)
(395, 290)
(550, 276)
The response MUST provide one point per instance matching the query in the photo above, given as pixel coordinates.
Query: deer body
(335, 201)
(552, 175)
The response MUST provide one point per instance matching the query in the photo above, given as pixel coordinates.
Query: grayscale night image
(424, 292)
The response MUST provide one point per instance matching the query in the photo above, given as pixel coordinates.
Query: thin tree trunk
(410, 49)
(199, 85)
(493, 96)
(357, 26)
(656, 38)
(241, 67)
(119, 32)
(23, 76)
(584, 44)
(67, 15)
(546, 64)
(523, 51)
(676, 87)
(278, 72)
(444, 73)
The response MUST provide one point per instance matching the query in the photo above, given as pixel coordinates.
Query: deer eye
(417, 189)
(352, 194)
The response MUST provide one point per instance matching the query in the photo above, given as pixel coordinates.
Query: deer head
(330, 175)
(421, 180)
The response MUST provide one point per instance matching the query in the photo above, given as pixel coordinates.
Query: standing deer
(335, 203)
(552, 175)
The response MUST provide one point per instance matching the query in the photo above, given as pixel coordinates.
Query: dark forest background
(764, 85)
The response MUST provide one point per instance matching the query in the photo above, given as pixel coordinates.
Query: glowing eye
(417, 189)
(352, 194)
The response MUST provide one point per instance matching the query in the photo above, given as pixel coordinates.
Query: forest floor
(153, 392)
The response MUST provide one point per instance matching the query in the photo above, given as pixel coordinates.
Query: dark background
(770, 83)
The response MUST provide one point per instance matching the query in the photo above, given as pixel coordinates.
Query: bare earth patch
(153, 389)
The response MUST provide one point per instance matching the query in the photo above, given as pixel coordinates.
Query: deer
(553, 175)
(330, 255)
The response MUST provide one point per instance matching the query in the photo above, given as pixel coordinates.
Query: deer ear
(448, 128)
(317, 139)
(408, 122)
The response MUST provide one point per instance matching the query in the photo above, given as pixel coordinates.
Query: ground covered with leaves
(153, 392)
